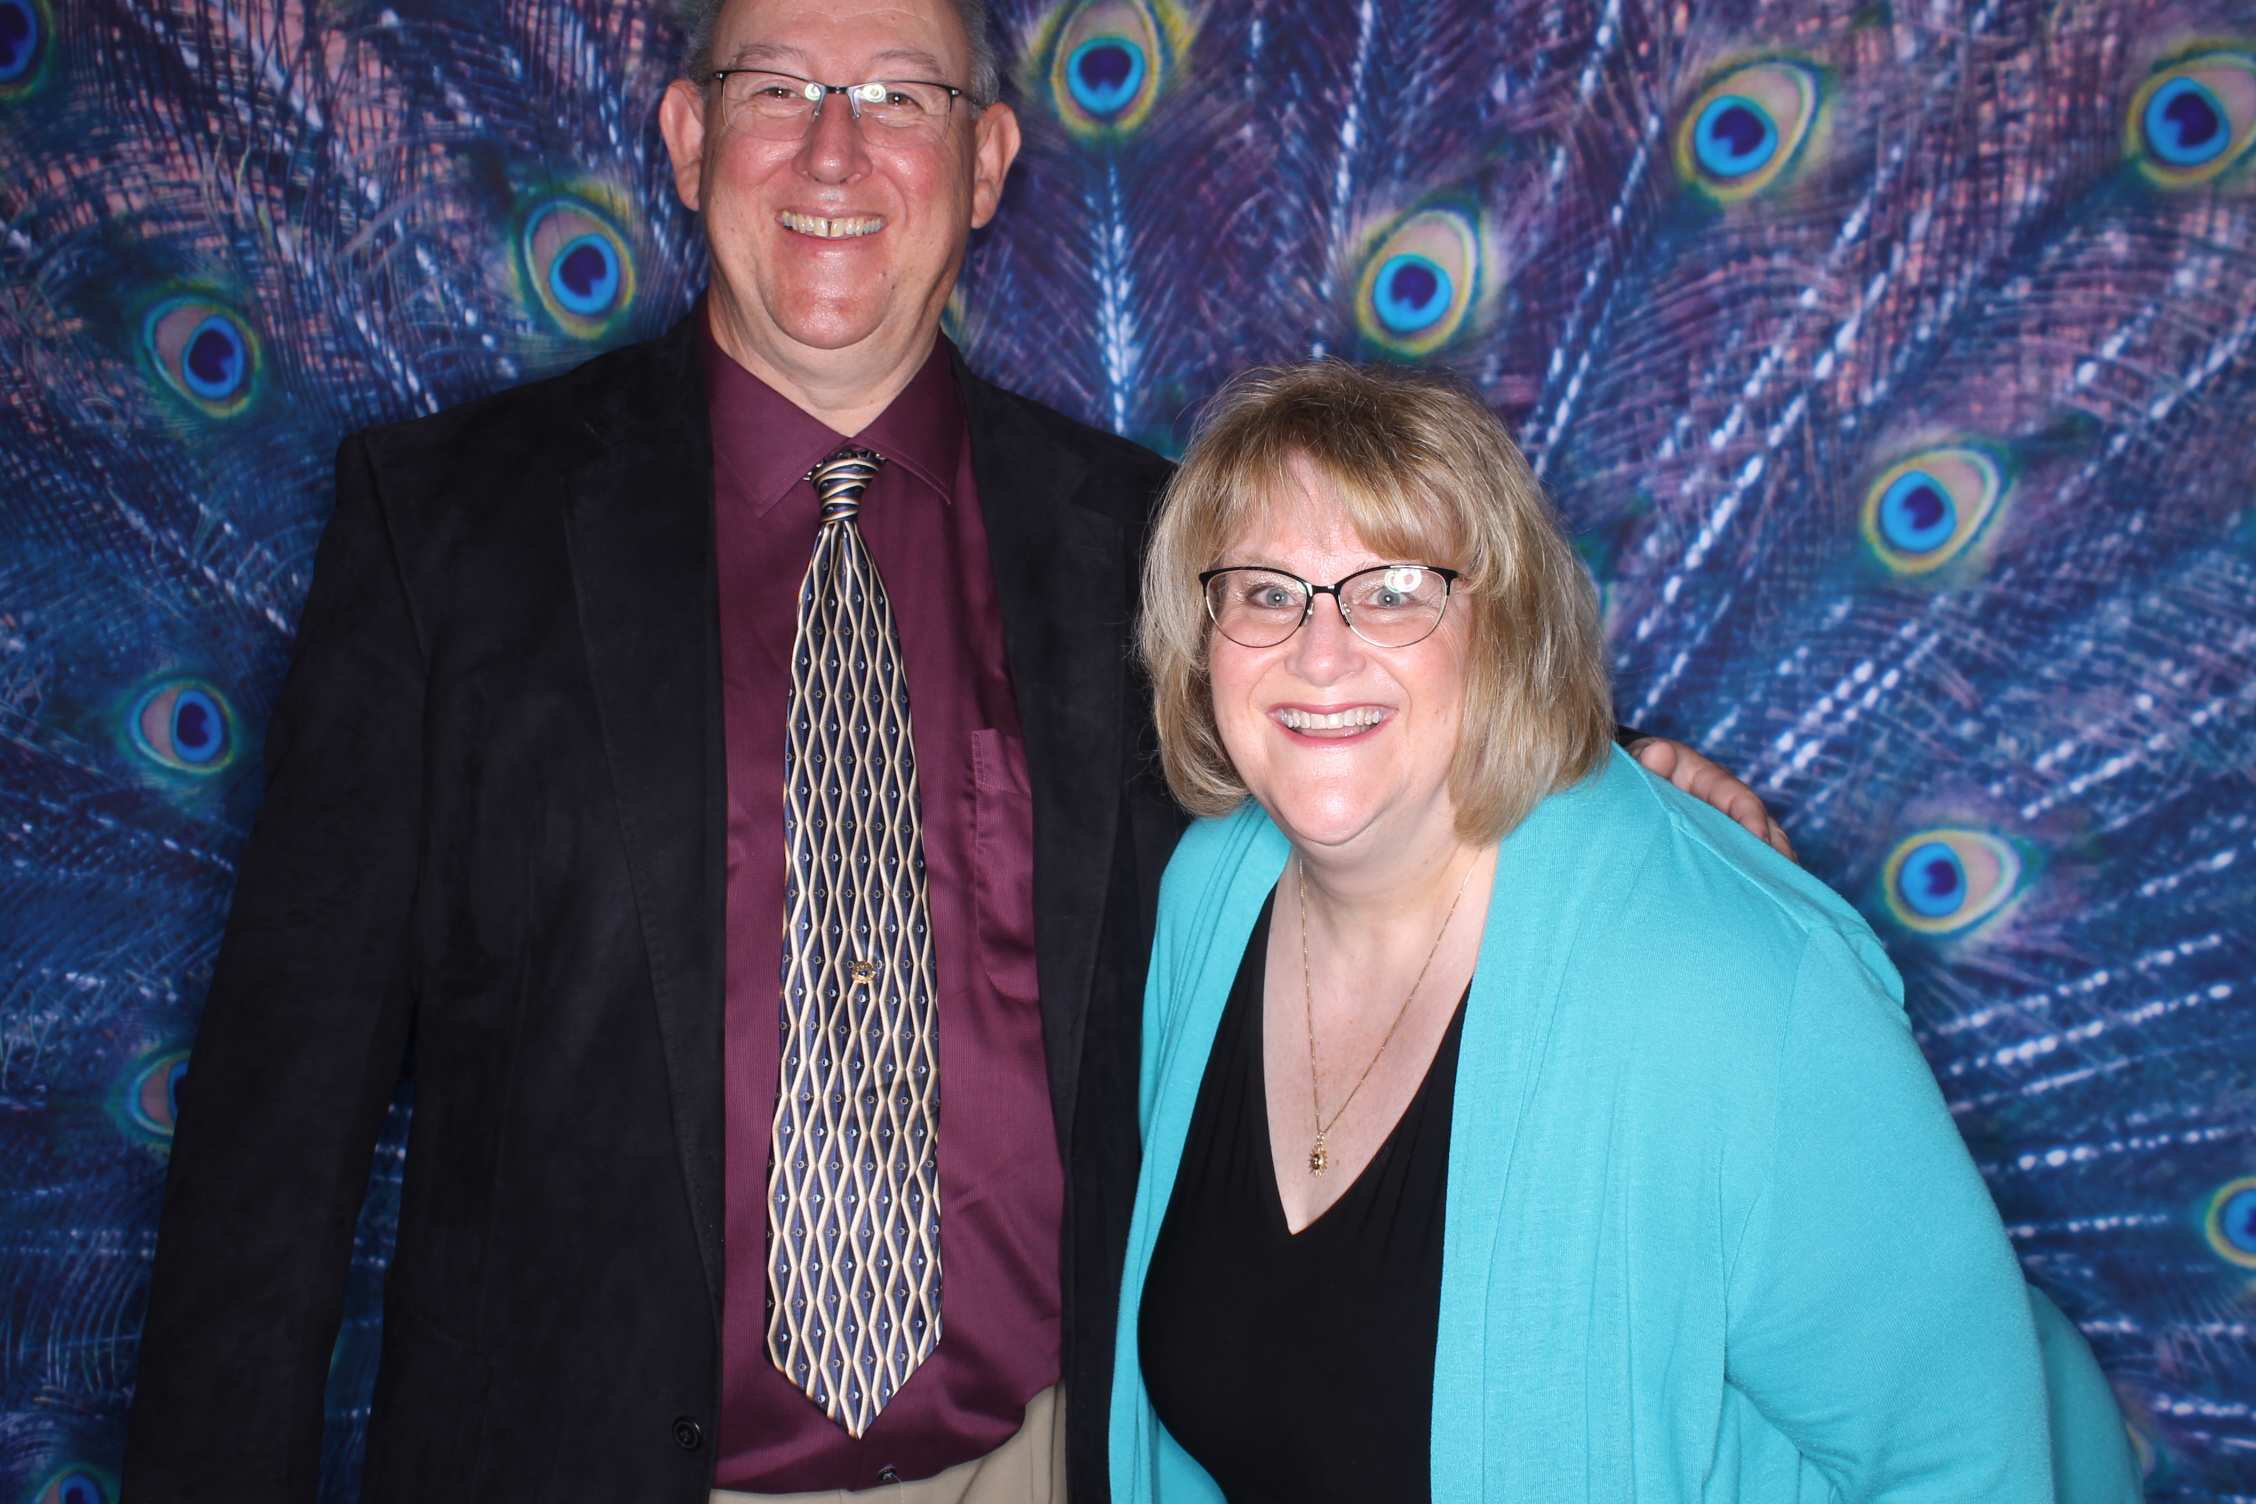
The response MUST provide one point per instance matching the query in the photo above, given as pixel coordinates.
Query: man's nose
(833, 151)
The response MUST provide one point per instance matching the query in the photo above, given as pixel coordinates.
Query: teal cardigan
(1711, 1234)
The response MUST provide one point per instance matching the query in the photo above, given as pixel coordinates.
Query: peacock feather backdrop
(1894, 361)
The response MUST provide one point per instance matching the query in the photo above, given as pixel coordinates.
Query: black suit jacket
(493, 836)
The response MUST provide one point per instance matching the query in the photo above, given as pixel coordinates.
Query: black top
(1298, 1368)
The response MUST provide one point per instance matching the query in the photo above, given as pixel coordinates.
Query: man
(600, 683)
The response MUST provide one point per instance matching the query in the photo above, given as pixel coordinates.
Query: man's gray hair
(986, 73)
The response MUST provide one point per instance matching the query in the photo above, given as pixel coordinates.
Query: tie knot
(840, 480)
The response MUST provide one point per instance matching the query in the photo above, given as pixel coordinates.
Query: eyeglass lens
(780, 107)
(1390, 606)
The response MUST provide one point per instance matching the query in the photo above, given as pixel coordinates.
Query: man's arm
(1707, 781)
(298, 1052)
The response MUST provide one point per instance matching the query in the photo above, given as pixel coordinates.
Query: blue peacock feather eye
(2230, 1223)
(1418, 283)
(1108, 65)
(1734, 136)
(1916, 513)
(1104, 75)
(19, 39)
(1932, 881)
(217, 360)
(183, 725)
(2185, 123)
(75, 1485)
(26, 35)
(1411, 293)
(149, 1097)
(2193, 117)
(1928, 508)
(205, 352)
(1940, 882)
(1747, 127)
(578, 265)
(586, 275)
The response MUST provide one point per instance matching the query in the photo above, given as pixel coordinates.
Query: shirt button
(688, 1434)
(889, 1474)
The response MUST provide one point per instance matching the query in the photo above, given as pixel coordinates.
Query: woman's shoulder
(1672, 848)
(1676, 892)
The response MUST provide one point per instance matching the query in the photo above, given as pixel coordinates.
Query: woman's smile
(1321, 723)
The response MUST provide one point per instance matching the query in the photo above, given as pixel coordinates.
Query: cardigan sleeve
(1877, 1315)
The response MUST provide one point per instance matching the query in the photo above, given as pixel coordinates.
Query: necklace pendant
(1316, 1157)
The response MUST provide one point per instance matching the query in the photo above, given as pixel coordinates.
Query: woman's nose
(1324, 649)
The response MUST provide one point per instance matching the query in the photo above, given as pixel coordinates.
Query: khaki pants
(1027, 1469)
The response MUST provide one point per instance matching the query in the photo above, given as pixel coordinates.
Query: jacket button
(889, 1474)
(688, 1434)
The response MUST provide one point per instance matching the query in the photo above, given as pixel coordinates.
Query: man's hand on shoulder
(1707, 781)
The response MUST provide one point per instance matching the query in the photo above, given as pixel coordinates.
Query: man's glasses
(1387, 605)
(784, 107)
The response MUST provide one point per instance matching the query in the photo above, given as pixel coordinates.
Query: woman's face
(1382, 778)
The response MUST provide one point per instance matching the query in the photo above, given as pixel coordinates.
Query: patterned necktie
(853, 1180)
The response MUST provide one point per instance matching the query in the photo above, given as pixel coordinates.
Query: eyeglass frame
(720, 75)
(1449, 579)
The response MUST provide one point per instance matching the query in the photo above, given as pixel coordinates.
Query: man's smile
(844, 227)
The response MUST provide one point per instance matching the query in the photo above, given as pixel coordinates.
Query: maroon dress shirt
(1002, 1187)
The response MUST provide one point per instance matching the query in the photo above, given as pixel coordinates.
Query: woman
(1515, 1127)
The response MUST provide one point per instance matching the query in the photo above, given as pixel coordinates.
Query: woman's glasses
(1387, 605)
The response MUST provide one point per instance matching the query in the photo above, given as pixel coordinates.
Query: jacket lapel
(1063, 578)
(639, 524)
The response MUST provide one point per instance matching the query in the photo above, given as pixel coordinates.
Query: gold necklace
(1317, 1159)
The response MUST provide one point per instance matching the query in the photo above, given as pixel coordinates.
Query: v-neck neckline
(1258, 1050)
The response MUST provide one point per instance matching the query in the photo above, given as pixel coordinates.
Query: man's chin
(814, 322)
(831, 317)
(842, 334)
(787, 319)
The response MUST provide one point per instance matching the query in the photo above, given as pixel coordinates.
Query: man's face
(839, 238)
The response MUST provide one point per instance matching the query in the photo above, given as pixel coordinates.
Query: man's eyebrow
(909, 55)
(767, 52)
(752, 53)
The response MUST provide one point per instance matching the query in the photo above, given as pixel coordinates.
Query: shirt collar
(766, 443)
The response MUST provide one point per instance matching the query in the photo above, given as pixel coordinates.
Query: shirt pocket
(1002, 861)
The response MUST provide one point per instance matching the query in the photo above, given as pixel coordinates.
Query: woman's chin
(1324, 824)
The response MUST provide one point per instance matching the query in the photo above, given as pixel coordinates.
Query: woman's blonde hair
(1427, 475)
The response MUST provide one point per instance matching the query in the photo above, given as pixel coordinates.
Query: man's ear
(995, 148)
(681, 120)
